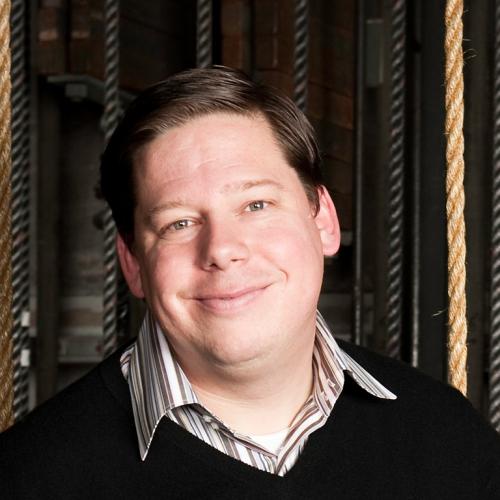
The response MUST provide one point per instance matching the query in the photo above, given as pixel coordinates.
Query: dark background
(349, 104)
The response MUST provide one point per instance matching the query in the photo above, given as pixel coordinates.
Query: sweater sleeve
(480, 451)
(489, 450)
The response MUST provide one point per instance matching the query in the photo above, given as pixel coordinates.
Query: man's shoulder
(86, 408)
(422, 401)
(420, 438)
(399, 377)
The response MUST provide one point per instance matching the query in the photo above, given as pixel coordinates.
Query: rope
(300, 67)
(6, 390)
(110, 119)
(204, 33)
(20, 207)
(396, 181)
(494, 386)
(457, 328)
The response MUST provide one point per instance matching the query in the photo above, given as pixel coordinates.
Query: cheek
(295, 248)
(164, 273)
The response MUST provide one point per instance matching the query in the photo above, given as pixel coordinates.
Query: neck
(260, 404)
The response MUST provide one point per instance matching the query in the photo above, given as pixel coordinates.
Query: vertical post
(49, 148)
(357, 292)
(395, 215)
(416, 124)
(20, 209)
(494, 367)
(204, 33)
(432, 300)
(109, 122)
(300, 63)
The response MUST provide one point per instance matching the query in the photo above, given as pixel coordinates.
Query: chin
(240, 349)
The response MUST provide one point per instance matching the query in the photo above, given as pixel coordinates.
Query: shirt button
(207, 418)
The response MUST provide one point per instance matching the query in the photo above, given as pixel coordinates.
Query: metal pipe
(110, 119)
(416, 162)
(395, 215)
(48, 286)
(204, 33)
(494, 358)
(300, 63)
(20, 208)
(357, 292)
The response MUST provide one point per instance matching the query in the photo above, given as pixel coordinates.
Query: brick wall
(257, 36)
(157, 38)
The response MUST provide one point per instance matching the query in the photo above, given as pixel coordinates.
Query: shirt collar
(158, 384)
(156, 381)
(361, 376)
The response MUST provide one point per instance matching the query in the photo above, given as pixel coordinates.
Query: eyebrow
(240, 186)
(246, 185)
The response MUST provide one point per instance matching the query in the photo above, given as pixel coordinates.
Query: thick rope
(395, 213)
(204, 33)
(20, 208)
(110, 119)
(457, 327)
(300, 66)
(6, 389)
(494, 386)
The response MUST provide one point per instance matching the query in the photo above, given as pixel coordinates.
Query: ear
(130, 267)
(327, 222)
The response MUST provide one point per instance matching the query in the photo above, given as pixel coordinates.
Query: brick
(266, 17)
(326, 105)
(335, 141)
(274, 52)
(286, 18)
(267, 52)
(236, 53)
(277, 79)
(174, 18)
(331, 59)
(80, 34)
(51, 40)
(57, 4)
(156, 57)
(337, 175)
(335, 75)
(159, 53)
(235, 28)
(235, 17)
(338, 13)
(343, 204)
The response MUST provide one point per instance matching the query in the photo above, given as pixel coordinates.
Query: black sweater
(427, 444)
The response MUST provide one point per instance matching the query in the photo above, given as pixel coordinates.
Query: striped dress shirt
(159, 388)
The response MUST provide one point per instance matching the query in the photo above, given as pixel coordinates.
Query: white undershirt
(271, 442)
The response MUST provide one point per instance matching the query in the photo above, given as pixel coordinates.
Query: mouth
(230, 301)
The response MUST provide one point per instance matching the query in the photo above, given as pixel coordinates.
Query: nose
(222, 245)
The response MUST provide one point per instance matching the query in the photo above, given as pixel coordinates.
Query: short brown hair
(191, 94)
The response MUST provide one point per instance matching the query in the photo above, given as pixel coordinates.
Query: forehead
(212, 145)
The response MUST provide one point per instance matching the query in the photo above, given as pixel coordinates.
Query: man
(235, 387)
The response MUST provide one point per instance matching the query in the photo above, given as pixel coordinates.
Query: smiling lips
(230, 301)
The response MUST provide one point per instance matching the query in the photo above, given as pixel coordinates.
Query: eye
(256, 205)
(178, 225)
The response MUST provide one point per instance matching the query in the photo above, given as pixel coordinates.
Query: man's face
(228, 251)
